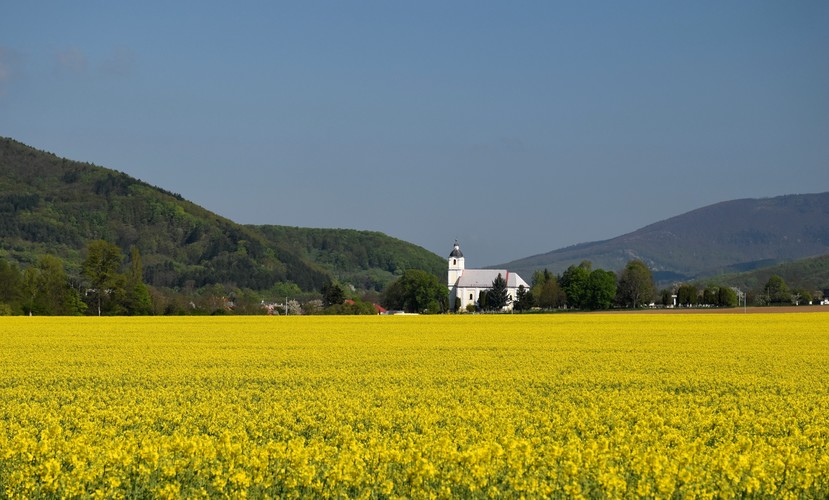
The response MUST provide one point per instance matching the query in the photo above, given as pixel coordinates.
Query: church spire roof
(456, 250)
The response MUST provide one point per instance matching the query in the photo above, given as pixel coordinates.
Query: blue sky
(515, 127)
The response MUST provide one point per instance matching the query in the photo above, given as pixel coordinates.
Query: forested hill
(731, 236)
(366, 259)
(806, 274)
(52, 205)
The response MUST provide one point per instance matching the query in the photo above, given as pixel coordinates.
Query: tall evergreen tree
(523, 299)
(137, 299)
(483, 300)
(498, 296)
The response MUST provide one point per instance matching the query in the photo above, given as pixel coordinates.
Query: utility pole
(744, 296)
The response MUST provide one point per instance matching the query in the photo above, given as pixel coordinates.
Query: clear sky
(515, 127)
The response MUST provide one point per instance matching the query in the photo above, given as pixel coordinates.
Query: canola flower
(617, 406)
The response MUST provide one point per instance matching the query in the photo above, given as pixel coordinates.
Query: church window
(470, 296)
(454, 262)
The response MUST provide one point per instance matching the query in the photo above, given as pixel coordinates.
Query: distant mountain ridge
(53, 205)
(726, 237)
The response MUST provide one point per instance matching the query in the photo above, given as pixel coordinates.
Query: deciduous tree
(777, 291)
(416, 291)
(546, 292)
(574, 283)
(102, 267)
(711, 296)
(727, 297)
(332, 294)
(687, 295)
(636, 285)
(48, 290)
(601, 289)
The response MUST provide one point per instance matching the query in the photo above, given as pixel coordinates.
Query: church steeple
(455, 264)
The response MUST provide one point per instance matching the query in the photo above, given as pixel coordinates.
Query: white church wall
(461, 296)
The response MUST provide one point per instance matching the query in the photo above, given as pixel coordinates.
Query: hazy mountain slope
(53, 205)
(730, 236)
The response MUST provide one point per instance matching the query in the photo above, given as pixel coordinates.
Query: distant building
(466, 285)
(377, 307)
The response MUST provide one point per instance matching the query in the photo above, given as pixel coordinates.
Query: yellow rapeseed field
(570, 405)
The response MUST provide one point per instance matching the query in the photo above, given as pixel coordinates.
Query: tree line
(584, 288)
(109, 283)
(775, 292)
(104, 287)
(579, 287)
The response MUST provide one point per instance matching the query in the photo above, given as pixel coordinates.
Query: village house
(466, 285)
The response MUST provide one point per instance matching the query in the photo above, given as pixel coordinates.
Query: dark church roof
(456, 251)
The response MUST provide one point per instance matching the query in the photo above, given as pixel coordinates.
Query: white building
(465, 285)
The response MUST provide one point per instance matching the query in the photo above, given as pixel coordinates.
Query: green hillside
(368, 260)
(52, 205)
(809, 274)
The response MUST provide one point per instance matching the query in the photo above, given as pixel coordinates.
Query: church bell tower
(455, 272)
(455, 265)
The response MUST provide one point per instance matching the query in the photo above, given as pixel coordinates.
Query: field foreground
(444, 406)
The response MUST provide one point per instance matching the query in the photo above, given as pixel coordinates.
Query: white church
(465, 285)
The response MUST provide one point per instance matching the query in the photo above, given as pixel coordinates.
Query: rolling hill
(52, 205)
(367, 260)
(809, 274)
(731, 236)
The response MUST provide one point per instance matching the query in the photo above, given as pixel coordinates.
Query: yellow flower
(693, 406)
